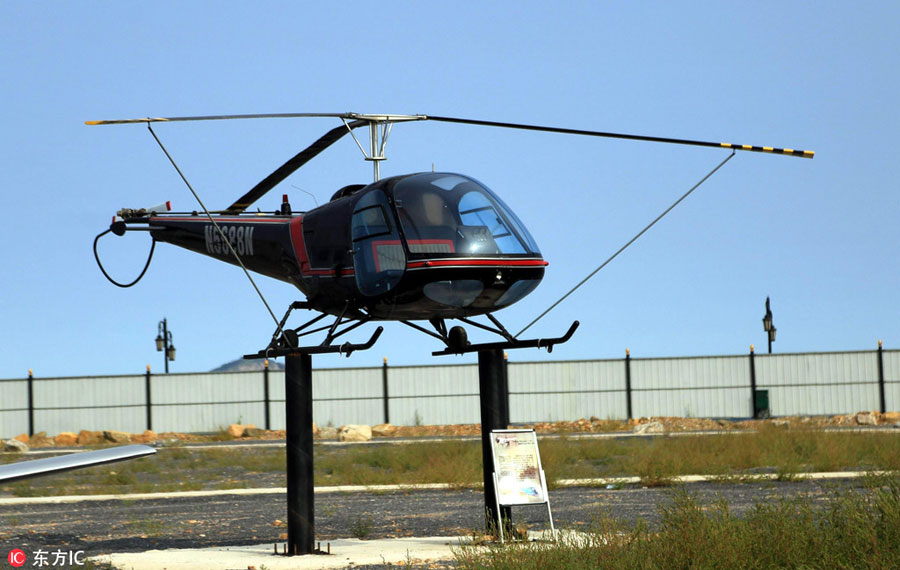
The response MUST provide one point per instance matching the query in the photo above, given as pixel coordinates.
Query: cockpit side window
(379, 259)
(369, 222)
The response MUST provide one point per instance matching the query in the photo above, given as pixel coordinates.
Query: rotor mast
(379, 130)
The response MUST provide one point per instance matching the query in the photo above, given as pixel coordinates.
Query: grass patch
(361, 527)
(733, 458)
(147, 526)
(852, 529)
(452, 462)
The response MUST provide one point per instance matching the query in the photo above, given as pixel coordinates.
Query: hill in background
(241, 365)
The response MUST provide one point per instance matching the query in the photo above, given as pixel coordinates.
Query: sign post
(518, 475)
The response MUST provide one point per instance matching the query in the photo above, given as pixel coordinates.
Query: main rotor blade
(768, 149)
(50, 465)
(215, 118)
(292, 165)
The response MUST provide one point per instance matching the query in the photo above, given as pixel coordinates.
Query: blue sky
(818, 236)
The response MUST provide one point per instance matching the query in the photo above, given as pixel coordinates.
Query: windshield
(449, 213)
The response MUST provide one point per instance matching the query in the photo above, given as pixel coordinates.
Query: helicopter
(427, 246)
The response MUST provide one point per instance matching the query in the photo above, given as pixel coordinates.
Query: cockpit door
(379, 258)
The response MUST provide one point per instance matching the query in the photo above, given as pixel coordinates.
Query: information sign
(517, 464)
(518, 476)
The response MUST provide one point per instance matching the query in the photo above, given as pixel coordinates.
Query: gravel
(101, 527)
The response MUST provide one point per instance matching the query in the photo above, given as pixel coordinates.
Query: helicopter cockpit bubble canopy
(450, 213)
(446, 237)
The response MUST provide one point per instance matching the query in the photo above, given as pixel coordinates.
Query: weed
(121, 477)
(736, 478)
(852, 529)
(877, 480)
(361, 527)
(147, 526)
(223, 435)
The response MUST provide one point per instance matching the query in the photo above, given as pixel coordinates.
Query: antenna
(313, 196)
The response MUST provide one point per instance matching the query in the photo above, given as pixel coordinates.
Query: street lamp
(768, 326)
(164, 343)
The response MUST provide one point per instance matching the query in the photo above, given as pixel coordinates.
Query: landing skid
(456, 339)
(288, 342)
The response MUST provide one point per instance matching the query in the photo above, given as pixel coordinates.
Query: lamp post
(768, 326)
(164, 343)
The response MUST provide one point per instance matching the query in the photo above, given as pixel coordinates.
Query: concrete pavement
(344, 552)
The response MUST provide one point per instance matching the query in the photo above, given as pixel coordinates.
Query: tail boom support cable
(631, 241)
(216, 225)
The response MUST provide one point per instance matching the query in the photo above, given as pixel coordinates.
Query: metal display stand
(494, 398)
(298, 400)
(494, 416)
(493, 387)
(298, 407)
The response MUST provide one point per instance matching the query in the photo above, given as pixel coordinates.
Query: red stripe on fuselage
(477, 263)
(204, 219)
(299, 245)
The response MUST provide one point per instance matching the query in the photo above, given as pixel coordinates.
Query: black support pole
(752, 385)
(30, 402)
(490, 382)
(504, 392)
(266, 393)
(299, 418)
(881, 378)
(384, 390)
(628, 383)
(148, 400)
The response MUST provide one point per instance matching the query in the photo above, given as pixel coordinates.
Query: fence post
(266, 392)
(30, 402)
(148, 399)
(881, 378)
(752, 385)
(628, 383)
(384, 390)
